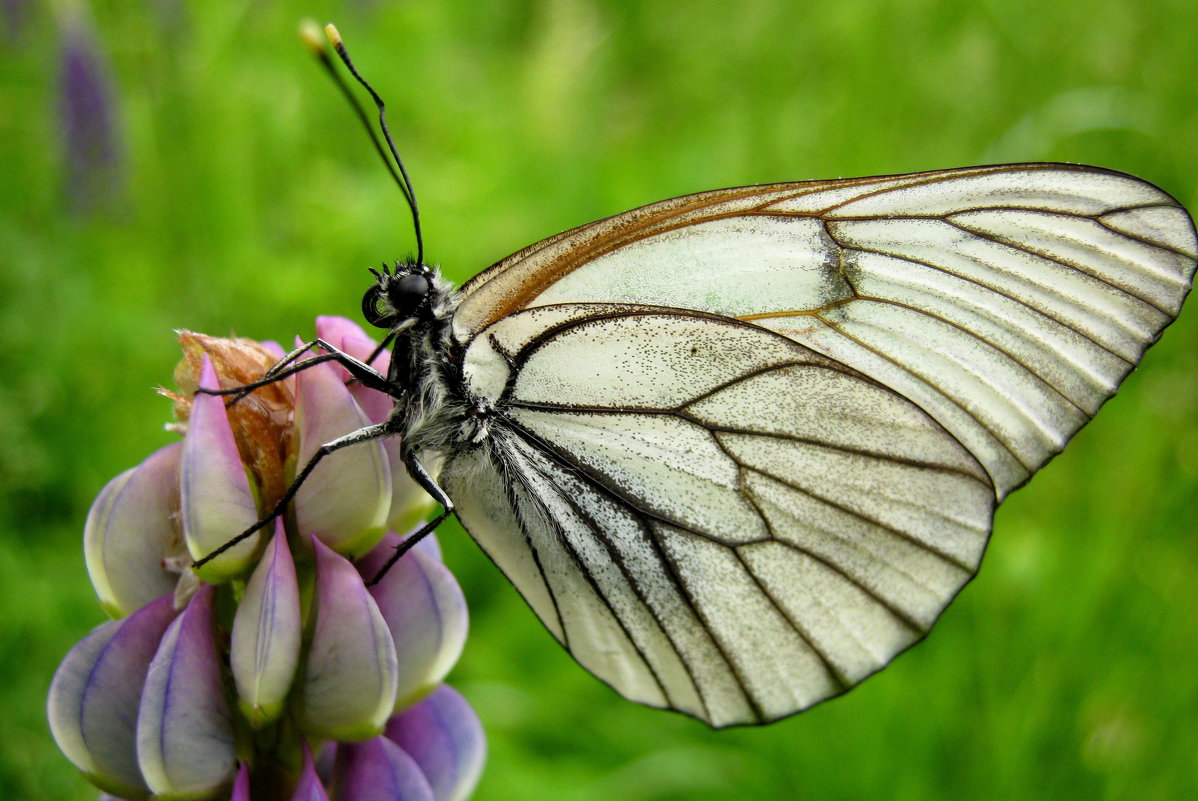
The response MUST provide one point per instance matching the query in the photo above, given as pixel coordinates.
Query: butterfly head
(401, 297)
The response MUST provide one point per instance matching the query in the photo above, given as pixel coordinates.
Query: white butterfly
(739, 449)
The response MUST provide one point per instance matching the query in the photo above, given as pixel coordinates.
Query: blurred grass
(248, 202)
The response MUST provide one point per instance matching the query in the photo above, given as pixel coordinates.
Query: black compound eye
(408, 293)
(371, 311)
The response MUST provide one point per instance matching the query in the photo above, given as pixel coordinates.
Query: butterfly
(739, 449)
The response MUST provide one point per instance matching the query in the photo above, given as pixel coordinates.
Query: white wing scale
(1008, 302)
(730, 518)
(712, 517)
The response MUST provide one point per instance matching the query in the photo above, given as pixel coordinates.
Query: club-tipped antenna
(312, 39)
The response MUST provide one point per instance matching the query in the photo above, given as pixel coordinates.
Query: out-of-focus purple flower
(278, 642)
(87, 114)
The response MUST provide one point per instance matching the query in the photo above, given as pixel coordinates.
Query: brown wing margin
(501, 290)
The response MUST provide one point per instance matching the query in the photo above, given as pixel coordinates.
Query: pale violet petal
(348, 690)
(309, 787)
(426, 613)
(130, 531)
(267, 629)
(346, 500)
(409, 503)
(346, 335)
(445, 737)
(93, 701)
(216, 500)
(378, 769)
(184, 725)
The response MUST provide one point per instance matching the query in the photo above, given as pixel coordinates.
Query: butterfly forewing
(1008, 302)
(743, 447)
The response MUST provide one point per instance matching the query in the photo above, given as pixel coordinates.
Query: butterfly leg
(353, 438)
(427, 483)
(285, 367)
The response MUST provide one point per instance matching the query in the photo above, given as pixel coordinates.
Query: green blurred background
(214, 181)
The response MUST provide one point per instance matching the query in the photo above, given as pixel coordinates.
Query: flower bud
(379, 769)
(425, 611)
(349, 687)
(445, 737)
(347, 498)
(267, 630)
(216, 500)
(131, 536)
(184, 727)
(95, 694)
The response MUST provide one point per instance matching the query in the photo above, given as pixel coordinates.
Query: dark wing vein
(1080, 268)
(996, 290)
(614, 493)
(602, 537)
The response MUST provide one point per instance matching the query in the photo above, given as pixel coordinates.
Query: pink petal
(379, 770)
(377, 405)
(129, 532)
(409, 503)
(443, 734)
(241, 785)
(348, 690)
(94, 698)
(267, 629)
(184, 726)
(309, 787)
(370, 564)
(426, 612)
(345, 334)
(346, 499)
(216, 501)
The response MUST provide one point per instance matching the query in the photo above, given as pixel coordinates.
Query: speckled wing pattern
(746, 444)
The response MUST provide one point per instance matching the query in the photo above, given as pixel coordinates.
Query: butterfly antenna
(312, 39)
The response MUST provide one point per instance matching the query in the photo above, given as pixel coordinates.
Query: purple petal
(216, 501)
(378, 770)
(273, 348)
(88, 119)
(94, 698)
(349, 687)
(241, 785)
(130, 532)
(377, 405)
(346, 499)
(184, 726)
(344, 334)
(267, 629)
(371, 563)
(444, 735)
(309, 786)
(409, 503)
(426, 612)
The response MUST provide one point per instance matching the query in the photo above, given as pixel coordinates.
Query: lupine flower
(87, 118)
(273, 672)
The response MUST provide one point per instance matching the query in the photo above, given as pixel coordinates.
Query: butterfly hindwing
(710, 516)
